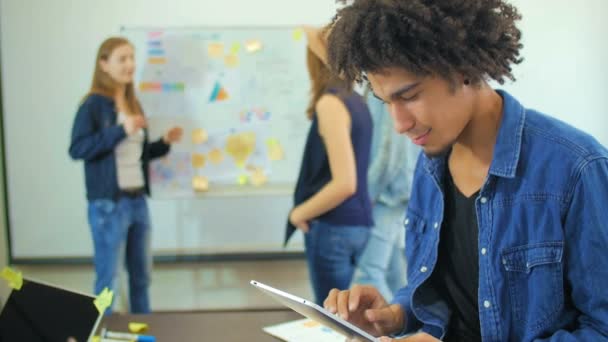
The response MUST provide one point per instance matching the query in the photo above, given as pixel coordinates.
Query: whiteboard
(239, 93)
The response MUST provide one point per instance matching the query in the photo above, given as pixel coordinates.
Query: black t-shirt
(456, 275)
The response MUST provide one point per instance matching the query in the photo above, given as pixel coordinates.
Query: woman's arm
(89, 142)
(335, 129)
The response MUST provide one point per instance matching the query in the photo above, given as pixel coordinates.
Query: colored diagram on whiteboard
(218, 93)
(240, 96)
(171, 174)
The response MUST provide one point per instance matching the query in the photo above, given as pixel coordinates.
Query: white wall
(564, 73)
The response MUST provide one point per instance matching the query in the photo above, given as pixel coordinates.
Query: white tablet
(315, 312)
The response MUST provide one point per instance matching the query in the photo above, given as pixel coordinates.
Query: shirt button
(423, 269)
(486, 304)
(484, 251)
(484, 200)
(407, 220)
(436, 225)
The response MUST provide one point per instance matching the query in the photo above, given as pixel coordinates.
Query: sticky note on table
(136, 327)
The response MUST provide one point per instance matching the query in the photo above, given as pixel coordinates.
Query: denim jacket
(393, 159)
(95, 134)
(542, 215)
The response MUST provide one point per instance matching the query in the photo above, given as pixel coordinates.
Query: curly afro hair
(474, 38)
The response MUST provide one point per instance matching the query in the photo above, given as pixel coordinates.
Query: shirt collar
(508, 142)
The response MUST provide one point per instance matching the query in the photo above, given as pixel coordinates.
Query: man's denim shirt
(542, 215)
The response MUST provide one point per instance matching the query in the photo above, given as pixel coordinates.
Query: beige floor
(195, 286)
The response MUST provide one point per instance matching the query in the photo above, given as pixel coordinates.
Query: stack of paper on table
(303, 330)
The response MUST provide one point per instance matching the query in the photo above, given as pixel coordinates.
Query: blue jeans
(383, 261)
(332, 253)
(121, 236)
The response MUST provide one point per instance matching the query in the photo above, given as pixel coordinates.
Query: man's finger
(331, 301)
(343, 298)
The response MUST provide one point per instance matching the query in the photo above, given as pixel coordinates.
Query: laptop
(39, 312)
(315, 312)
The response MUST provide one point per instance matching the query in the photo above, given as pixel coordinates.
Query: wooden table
(225, 325)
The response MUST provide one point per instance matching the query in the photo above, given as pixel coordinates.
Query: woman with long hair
(110, 135)
(332, 205)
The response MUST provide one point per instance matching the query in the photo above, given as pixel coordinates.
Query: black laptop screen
(42, 313)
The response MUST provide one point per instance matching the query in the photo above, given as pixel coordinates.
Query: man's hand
(364, 307)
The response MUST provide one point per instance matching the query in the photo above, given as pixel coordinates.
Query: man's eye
(411, 98)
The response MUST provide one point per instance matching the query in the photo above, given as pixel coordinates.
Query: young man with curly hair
(507, 224)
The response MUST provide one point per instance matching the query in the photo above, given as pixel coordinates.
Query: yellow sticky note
(240, 147)
(297, 34)
(258, 178)
(104, 300)
(216, 156)
(96, 339)
(137, 328)
(198, 160)
(13, 278)
(199, 136)
(253, 45)
(200, 183)
(243, 179)
(215, 50)
(275, 150)
(272, 141)
(231, 61)
(235, 48)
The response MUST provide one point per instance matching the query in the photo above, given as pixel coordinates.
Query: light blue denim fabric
(382, 264)
(333, 252)
(121, 236)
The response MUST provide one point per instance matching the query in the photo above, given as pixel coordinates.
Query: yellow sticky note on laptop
(13, 278)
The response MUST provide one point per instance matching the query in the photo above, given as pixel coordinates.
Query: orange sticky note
(231, 61)
(198, 160)
(215, 50)
(199, 136)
